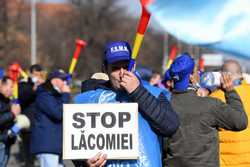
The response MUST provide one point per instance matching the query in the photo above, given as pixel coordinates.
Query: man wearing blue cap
(156, 117)
(46, 130)
(195, 144)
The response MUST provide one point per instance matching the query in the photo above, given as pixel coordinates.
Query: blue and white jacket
(156, 119)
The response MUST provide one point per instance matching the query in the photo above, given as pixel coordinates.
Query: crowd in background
(185, 116)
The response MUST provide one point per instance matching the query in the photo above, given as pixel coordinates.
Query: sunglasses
(119, 65)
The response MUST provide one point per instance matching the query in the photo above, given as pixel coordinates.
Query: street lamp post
(33, 32)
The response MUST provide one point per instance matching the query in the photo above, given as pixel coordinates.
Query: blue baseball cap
(59, 73)
(180, 71)
(117, 51)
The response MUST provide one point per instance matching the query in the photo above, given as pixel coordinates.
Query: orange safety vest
(235, 146)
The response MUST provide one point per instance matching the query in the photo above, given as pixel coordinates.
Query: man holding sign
(156, 117)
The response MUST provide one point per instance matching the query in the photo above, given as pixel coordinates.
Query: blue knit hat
(180, 71)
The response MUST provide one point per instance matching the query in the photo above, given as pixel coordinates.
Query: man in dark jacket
(27, 88)
(46, 132)
(8, 112)
(195, 144)
(156, 117)
(27, 96)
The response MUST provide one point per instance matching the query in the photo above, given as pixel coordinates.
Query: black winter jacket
(157, 111)
(6, 118)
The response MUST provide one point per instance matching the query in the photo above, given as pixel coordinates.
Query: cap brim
(118, 60)
(64, 76)
(61, 76)
(183, 84)
(118, 57)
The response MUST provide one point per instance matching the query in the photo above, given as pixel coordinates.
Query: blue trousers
(4, 155)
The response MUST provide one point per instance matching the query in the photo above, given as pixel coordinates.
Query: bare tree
(3, 25)
(96, 21)
(3, 18)
(101, 21)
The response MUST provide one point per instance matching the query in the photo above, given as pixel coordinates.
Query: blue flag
(217, 24)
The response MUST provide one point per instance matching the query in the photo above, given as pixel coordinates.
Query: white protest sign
(109, 128)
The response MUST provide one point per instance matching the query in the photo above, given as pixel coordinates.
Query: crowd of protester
(182, 123)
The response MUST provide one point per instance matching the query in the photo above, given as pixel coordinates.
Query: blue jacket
(149, 145)
(46, 132)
